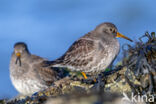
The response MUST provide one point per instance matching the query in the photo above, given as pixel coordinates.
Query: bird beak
(18, 54)
(122, 36)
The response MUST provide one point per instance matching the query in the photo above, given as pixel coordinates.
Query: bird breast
(27, 86)
(112, 50)
(107, 51)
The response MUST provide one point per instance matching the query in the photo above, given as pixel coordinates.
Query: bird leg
(89, 79)
(84, 75)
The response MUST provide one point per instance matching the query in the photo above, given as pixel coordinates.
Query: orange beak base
(18, 54)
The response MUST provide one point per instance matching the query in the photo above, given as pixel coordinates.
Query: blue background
(49, 27)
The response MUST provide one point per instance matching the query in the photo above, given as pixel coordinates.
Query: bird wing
(77, 55)
(47, 75)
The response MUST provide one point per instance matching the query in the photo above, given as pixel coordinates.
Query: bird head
(111, 29)
(20, 49)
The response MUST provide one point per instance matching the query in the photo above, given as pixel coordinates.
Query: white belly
(27, 87)
(104, 62)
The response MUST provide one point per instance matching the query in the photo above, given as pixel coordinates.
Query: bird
(93, 52)
(26, 71)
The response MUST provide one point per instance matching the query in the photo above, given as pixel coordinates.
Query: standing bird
(93, 52)
(26, 71)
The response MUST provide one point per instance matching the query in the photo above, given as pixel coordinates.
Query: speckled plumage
(93, 52)
(29, 76)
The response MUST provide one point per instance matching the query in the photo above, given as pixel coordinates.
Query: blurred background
(49, 27)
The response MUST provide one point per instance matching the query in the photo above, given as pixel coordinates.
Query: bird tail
(55, 63)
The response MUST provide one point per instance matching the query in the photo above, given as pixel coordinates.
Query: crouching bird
(26, 71)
